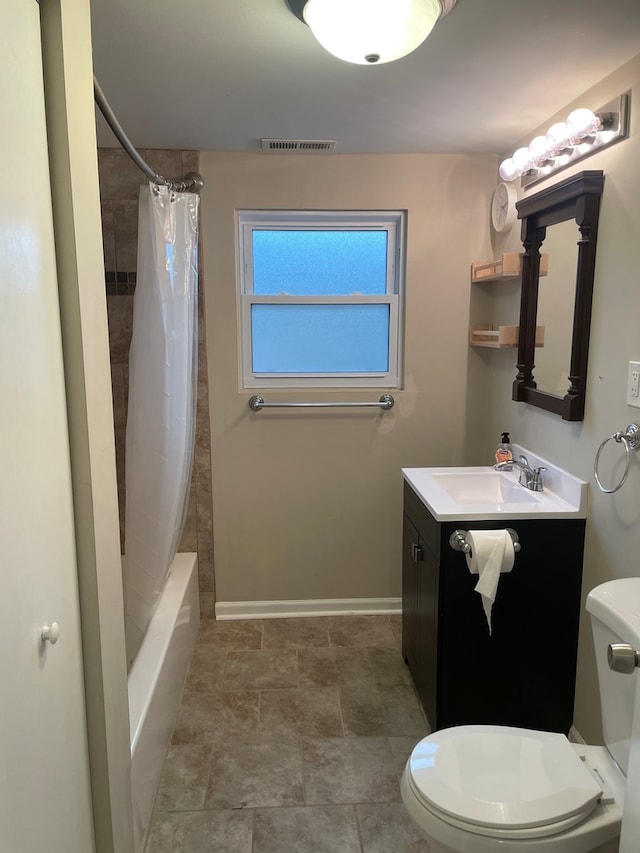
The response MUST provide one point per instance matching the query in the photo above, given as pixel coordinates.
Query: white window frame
(393, 222)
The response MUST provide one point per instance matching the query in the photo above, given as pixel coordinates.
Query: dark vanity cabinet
(523, 674)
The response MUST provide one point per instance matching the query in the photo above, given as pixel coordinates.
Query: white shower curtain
(162, 398)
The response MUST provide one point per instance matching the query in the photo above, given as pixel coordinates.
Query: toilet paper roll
(490, 554)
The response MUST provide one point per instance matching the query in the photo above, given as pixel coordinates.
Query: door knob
(622, 657)
(50, 633)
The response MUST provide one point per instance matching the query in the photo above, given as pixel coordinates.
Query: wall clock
(503, 207)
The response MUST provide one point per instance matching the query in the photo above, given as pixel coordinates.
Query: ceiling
(221, 74)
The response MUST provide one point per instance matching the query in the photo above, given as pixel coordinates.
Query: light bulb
(538, 150)
(371, 31)
(521, 159)
(581, 123)
(558, 137)
(508, 171)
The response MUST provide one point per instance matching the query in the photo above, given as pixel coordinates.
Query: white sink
(476, 493)
(483, 487)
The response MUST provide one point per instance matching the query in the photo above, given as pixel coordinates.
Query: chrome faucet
(530, 478)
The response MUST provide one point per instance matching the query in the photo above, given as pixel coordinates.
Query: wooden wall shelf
(507, 266)
(483, 335)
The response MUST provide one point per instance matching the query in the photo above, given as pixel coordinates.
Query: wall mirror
(563, 219)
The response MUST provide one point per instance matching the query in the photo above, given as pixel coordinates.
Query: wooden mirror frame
(577, 198)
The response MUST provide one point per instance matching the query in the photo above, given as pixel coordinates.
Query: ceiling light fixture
(565, 142)
(370, 32)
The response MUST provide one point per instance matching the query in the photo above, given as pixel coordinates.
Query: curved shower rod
(192, 181)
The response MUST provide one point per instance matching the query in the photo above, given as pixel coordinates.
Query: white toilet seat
(490, 832)
(502, 782)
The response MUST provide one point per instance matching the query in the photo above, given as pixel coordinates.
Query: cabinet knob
(416, 552)
(622, 657)
(50, 633)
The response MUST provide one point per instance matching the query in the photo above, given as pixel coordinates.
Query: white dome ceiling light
(370, 32)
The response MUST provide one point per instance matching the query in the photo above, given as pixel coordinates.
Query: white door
(45, 801)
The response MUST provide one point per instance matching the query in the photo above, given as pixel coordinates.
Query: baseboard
(575, 736)
(308, 607)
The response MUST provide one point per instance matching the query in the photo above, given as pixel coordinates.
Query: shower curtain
(162, 398)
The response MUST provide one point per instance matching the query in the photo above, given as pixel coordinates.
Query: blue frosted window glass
(320, 338)
(319, 263)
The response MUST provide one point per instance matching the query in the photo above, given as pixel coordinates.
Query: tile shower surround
(291, 737)
(119, 183)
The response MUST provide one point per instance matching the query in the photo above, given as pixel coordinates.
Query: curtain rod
(192, 181)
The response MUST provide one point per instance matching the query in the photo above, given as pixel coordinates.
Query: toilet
(490, 789)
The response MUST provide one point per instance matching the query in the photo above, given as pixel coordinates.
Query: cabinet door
(410, 541)
(427, 626)
(419, 616)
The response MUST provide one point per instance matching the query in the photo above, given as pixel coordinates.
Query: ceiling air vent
(300, 146)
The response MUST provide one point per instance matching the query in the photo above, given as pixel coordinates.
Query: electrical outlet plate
(633, 384)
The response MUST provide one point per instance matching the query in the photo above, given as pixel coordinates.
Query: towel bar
(256, 403)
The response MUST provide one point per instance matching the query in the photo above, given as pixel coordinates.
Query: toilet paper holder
(457, 540)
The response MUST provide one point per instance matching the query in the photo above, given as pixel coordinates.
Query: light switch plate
(633, 384)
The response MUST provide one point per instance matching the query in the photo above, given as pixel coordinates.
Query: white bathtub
(156, 680)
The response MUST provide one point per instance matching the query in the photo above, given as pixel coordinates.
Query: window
(320, 298)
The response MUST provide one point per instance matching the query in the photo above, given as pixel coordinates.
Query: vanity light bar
(568, 141)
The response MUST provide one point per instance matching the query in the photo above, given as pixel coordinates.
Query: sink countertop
(564, 496)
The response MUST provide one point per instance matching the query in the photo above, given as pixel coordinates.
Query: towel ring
(631, 439)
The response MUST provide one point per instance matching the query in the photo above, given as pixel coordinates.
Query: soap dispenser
(503, 451)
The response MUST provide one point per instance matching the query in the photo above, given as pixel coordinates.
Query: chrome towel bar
(256, 403)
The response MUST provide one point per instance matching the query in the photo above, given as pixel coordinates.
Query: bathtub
(155, 684)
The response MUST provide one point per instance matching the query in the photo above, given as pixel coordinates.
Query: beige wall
(613, 529)
(308, 504)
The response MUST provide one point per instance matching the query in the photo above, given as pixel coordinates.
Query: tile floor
(291, 738)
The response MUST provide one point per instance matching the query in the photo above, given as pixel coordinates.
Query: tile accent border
(120, 283)
(308, 607)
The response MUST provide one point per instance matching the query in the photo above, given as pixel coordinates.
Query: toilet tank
(615, 618)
